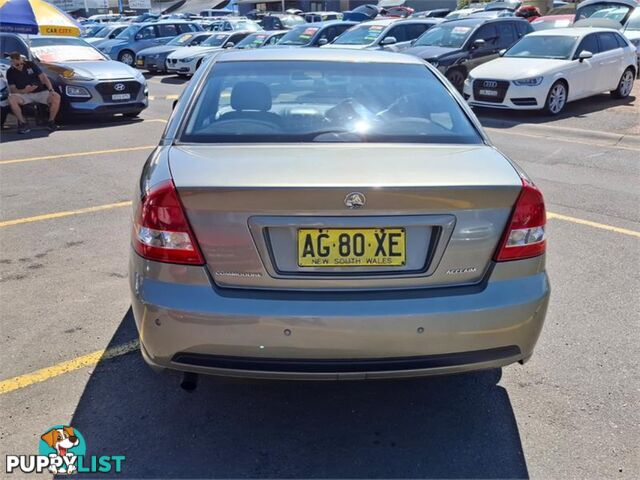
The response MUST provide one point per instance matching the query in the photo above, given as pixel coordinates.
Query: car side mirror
(478, 44)
(502, 52)
(323, 41)
(230, 45)
(585, 55)
(388, 41)
(138, 37)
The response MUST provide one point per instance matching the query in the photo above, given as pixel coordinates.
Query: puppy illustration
(61, 440)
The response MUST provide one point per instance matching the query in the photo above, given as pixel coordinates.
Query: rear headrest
(251, 96)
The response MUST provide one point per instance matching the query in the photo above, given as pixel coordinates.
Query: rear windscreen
(303, 101)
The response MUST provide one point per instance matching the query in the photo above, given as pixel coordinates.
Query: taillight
(524, 236)
(160, 228)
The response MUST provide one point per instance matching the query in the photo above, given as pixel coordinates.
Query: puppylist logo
(62, 451)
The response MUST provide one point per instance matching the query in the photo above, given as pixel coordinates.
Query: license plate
(489, 93)
(121, 96)
(140, 62)
(351, 247)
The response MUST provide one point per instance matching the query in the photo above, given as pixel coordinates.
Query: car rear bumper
(191, 325)
(152, 64)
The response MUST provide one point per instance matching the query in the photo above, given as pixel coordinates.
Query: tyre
(556, 98)
(127, 57)
(625, 85)
(456, 77)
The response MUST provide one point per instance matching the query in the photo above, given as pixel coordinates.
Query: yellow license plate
(351, 247)
(140, 62)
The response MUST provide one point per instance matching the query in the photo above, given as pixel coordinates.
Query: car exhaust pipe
(189, 381)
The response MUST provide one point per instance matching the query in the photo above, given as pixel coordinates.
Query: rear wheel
(456, 77)
(127, 57)
(556, 98)
(625, 85)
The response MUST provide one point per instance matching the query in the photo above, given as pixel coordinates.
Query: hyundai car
(333, 214)
(88, 82)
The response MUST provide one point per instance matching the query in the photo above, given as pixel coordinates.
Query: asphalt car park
(69, 351)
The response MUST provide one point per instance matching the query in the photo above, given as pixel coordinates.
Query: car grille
(107, 89)
(500, 86)
(524, 101)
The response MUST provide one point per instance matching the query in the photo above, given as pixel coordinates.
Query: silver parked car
(88, 81)
(328, 214)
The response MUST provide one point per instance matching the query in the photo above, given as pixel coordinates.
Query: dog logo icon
(65, 442)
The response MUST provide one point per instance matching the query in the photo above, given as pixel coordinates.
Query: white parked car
(186, 60)
(549, 68)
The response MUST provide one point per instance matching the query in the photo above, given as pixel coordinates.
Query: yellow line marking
(47, 373)
(602, 226)
(161, 120)
(50, 216)
(163, 97)
(549, 137)
(76, 154)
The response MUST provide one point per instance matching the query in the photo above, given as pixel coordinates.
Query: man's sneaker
(23, 128)
(51, 126)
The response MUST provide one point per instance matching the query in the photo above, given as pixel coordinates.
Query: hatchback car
(457, 46)
(139, 36)
(108, 32)
(549, 68)
(386, 34)
(88, 82)
(328, 214)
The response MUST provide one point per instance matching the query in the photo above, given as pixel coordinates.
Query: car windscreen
(306, 101)
(64, 49)
(181, 40)
(360, 35)
(215, 40)
(299, 36)
(612, 10)
(557, 47)
(449, 36)
(106, 31)
(128, 32)
(254, 40)
(95, 30)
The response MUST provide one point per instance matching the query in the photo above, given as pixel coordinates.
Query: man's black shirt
(28, 76)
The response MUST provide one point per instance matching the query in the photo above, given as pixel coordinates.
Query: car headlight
(106, 50)
(528, 82)
(76, 91)
(188, 59)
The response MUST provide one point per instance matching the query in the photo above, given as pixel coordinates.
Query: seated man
(27, 84)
